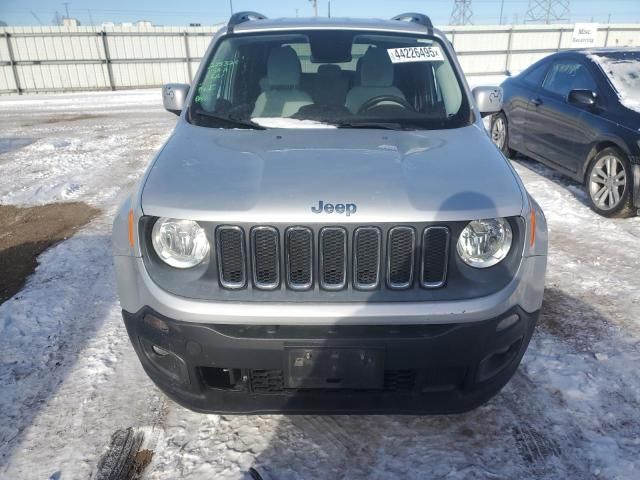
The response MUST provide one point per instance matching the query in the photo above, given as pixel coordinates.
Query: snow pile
(624, 74)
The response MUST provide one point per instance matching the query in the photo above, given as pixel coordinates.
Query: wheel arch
(596, 148)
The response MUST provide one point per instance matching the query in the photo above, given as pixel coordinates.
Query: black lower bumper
(444, 368)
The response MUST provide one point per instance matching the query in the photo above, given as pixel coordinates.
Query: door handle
(536, 101)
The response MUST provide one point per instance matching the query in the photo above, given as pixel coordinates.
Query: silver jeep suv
(329, 228)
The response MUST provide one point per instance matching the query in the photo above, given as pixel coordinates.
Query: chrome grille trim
(260, 260)
(332, 262)
(224, 251)
(440, 260)
(362, 258)
(357, 251)
(289, 233)
(393, 250)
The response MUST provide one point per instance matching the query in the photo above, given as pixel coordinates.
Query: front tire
(500, 134)
(609, 184)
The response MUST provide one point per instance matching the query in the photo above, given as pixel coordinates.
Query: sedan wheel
(499, 132)
(609, 184)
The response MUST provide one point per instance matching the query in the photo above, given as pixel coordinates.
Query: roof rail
(418, 18)
(241, 17)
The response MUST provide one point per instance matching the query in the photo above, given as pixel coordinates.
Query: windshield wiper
(225, 122)
(376, 125)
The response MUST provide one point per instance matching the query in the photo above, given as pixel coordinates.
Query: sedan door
(556, 131)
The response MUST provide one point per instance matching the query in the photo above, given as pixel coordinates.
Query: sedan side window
(568, 75)
(535, 76)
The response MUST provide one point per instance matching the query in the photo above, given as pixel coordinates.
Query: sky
(207, 12)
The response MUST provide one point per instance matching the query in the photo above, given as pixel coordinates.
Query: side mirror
(174, 96)
(488, 99)
(583, 98)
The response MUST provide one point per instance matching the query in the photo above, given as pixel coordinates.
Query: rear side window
(535, 76)
(568, 75)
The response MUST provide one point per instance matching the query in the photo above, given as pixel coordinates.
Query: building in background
(70, 22)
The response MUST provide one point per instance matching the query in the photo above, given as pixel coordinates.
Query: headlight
(483, 243)
(180, 243)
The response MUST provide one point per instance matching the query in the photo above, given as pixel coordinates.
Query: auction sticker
(415, 54)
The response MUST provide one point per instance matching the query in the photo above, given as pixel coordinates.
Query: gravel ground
(69, 377)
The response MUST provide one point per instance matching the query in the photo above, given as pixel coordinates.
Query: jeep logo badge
(340, 208)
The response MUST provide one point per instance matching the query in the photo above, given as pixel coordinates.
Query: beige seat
(376, 78)
(282, 96)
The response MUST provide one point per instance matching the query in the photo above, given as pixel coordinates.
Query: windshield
(329, 79)
(623, 70)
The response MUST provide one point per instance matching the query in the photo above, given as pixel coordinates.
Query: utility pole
(462, 14)
(547, 11)
(501, 10)
(329, 9)
(315, 7)
(66, 8)
(231, 6)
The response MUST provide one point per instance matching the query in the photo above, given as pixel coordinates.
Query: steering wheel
(375, 101)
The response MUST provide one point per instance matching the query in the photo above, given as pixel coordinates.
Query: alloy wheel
(499, 132)
(608, 182)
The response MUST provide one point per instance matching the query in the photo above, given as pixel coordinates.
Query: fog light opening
(507, 322)
(222, 378)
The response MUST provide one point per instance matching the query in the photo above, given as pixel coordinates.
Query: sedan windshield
(329, 79)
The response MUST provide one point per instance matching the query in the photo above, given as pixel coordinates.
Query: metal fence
(55, 59)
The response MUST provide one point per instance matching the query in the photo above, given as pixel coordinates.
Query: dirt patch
(123, 459)
(140, 461)
(64, 118)
(26, 232)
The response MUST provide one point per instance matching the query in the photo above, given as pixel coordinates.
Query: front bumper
(430, 368)
(137, 290)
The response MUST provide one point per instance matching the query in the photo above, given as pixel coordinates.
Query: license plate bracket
(334, 368)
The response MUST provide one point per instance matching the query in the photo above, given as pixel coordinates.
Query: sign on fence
(584, 35)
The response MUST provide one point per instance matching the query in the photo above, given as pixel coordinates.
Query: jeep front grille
(265, 257)
(299, 250)
(401, 257)
(435, 256)
(332, 258)
(231, 256)
(367, 242)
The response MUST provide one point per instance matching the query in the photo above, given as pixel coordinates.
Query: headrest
(283, 68)
(376, 69)
(329, 71)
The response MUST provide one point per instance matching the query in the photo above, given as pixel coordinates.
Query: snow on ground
(69, 377)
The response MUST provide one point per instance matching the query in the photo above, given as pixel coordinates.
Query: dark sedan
(579, 112)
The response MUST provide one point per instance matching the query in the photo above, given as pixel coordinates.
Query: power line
(547, 11)
(36, 17)
(462, 14)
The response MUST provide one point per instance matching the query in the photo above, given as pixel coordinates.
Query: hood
(282, 175)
